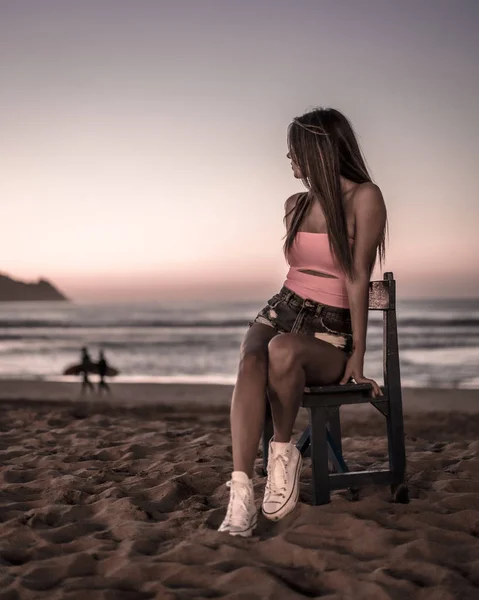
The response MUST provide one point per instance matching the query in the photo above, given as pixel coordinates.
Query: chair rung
(338, 481)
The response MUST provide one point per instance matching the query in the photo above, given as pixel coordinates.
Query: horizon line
(222, 300)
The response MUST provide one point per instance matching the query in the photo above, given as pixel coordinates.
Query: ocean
(193, 343)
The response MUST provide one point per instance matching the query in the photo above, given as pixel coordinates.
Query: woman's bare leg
(249, 397)
(296, 360)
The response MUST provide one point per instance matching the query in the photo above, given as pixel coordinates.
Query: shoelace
(240, 518)
(277, 481)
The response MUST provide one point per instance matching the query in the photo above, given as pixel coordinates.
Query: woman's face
(296, 170)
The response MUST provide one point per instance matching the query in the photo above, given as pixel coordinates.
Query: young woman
(313, 332)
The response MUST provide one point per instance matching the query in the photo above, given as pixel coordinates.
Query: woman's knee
(282, 354)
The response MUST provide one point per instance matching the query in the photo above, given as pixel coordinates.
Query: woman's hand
(354, 369)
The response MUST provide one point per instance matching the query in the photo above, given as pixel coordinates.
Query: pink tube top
(311, 251)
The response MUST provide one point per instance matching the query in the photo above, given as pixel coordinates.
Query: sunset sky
(143, 142)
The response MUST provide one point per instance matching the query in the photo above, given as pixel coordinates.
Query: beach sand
(121, 500)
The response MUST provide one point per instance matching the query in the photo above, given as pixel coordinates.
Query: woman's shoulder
(368, 203)
(292, 201)
(366, 194)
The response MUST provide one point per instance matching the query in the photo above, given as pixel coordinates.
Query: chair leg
(335, 441)
(319, 455)
(268, 432)
(304, 441)
(335, 427)
(397, 450)
(335, 457)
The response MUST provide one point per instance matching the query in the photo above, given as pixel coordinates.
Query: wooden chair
(324, 431)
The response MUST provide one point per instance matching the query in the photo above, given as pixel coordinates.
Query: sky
(143, 143)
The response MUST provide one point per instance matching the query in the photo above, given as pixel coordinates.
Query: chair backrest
(382, 296)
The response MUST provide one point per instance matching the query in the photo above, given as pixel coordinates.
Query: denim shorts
(289, 313)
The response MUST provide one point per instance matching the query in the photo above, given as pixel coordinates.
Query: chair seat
(339, 389)
(336, 395)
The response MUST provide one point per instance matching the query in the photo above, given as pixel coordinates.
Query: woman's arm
(370, 220)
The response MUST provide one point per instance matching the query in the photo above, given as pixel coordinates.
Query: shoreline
(210, 395)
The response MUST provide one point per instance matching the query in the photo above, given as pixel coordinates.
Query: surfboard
(77, 369)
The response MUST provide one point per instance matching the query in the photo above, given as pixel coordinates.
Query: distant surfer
(102, 372)
(86, 366)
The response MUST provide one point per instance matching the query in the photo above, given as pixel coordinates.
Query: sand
(111, 501)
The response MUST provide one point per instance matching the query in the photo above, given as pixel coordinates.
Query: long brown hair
(323, 144)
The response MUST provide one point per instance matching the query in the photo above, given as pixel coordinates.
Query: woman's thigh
(257, 339)
(322, 362)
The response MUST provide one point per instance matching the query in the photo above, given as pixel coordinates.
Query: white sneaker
(282, 487)
(241, 516)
